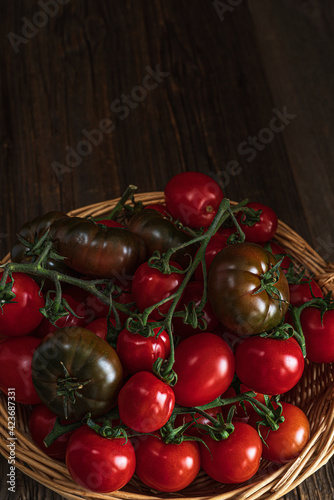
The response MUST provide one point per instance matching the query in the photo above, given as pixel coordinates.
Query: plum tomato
(193, 198)
(204, 365)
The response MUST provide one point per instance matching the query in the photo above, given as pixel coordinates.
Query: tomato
(110, 223)
(263, 230)
(304, 291)
(319, 334)
(138, 353)
(166, 467)
(278, 251)
(160, 234)
(290, 439)
(269, 366)
(217, 242)
(100, 327)
(235, 459)
(150, 286)
(159, 207)
(145, 402)
(240, 415)
(46, 327)
(238, 289)
(193, 198)
(184, 418)
(15, 369)
(94, 373)
(97, 463)
(193, 293)
(204, 365)
(41, 423)
(95, 250)
(88, 305)
(23, 315)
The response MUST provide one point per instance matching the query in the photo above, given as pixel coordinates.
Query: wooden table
(96, 95)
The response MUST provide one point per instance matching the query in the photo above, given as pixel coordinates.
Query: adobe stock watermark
(227, 6)
(254, 145)
(30, 28)
(11, 425)
(121, 107)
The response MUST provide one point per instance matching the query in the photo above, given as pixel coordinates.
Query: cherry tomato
(269, 366)
(41, 423)
(110, 223)
(193, 293)
(235, 459)
(319, 334)
(100, 327)
(23, 315)
(304, 291)
(193, 198)
(204, 365)
(145, 403)
(138, 353)
(245, 294)
(217, 242)
(15, 368)
(263, 230)
(185, 418)
(166, 467)
(150, 286)
(97, 463)
(240, 415)
(290, 439)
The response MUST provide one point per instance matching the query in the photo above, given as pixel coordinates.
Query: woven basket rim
(52, 474)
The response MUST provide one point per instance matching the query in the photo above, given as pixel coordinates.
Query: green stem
(120, 205)
(58, 430)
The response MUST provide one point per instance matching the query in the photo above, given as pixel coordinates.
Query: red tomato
(159, 207)
(145, 402)
(100, 327)
(110, 223)
(88, 305)
(235, 459)
(216, 243)
(204, 365)
(150, 286)
(278, 251)
(263, 230)
(184, 418)
(22, 316)
(193, 198)
(319, 334)
(269, 366)
(240, 415)
(166, 467)
(138, 353)
(46, 327)
(41, 423)
(99, 464)
(15, 368)
(289, 440)
(302, 292)
(193, 293)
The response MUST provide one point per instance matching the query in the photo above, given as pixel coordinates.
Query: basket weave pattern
(313, 394)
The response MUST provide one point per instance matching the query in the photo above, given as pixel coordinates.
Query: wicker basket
(314, 394)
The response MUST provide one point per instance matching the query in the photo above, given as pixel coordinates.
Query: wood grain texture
(223, 82)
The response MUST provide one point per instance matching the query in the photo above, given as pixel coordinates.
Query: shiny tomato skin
(289, 440)
(138, 353)
(217, 242)
(145, 402)
(304, 291)
(150, 286)
(166, 467)
(204, 365)
(269, 366)
(193, 198)
(100, 327)
(95, 250)
(235, 459)
(193, 292)
(41, 423)
(263, 230)
(99, 464)
(89, 360)
(319, 334)
(279, 252)
(234, 283)
(15, 368)
(23, 315)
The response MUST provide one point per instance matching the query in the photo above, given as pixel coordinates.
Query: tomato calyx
(250, 216)
(269, 415)
(68, 388)
(7, 296)
(162, 263)
(268, 281)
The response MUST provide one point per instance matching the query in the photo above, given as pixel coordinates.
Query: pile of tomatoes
(160, 344)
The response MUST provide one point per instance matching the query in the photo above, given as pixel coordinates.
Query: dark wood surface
(223, 71)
